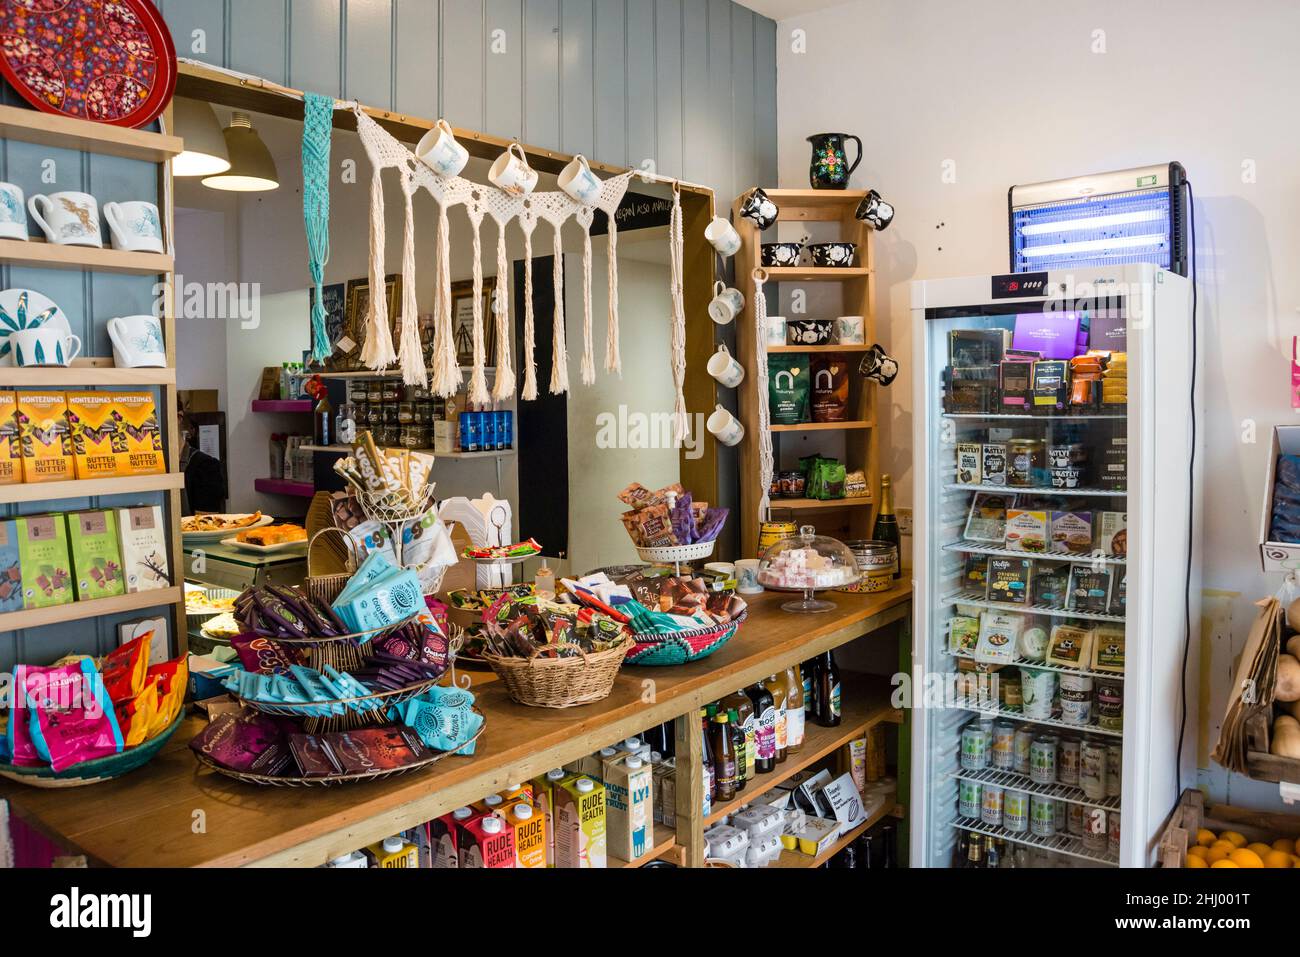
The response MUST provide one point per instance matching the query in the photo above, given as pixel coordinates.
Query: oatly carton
(489, 842)
(580, 824)
(629, 803)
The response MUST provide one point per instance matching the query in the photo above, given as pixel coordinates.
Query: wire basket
(560, 682)
(326, 573)
(341, 652)
(679, 648)
(359, 712)
(93, 772)
(286, 781)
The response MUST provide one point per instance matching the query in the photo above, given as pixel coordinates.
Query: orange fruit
(1205, 837)
(1277, 860)
(1223, 863)
(1198, 851)
(1260, 849)
(1284, 844)
(1237, 840)
(1217, 853)
(1194, 861)
(1244, 857)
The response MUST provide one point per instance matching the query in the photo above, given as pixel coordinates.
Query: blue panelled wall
(688, 84)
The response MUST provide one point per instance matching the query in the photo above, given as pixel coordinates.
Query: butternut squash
(1293, 646)
(1293, 615)
(1288, 679)
(1286, 737)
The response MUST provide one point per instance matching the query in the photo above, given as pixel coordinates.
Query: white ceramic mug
(67, 218)
(725, 427)
(44, 346)
(747, 577)
(135, 226)
(776, 330)
(724, 569)
(439, 150)
(511, 172)
(723, 366)
(722, 236)
(13, 213)
(727, 304)
(137, 342)
(579, 181)
(850, 331)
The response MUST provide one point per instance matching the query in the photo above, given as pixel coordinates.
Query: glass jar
(405, 412)
(807, 562)
(391, 390)
(1027, 463)
(375, 391)
(358, 392)
(415, 436)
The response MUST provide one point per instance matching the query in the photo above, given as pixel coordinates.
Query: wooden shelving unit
(844, 518)
(30, 126)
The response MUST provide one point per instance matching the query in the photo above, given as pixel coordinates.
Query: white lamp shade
(205, 148)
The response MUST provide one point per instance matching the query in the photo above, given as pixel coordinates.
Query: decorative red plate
(111, 61)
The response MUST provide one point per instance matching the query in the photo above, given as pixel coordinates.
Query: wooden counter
(172, 813)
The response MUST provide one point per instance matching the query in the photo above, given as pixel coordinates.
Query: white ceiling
(784, 9)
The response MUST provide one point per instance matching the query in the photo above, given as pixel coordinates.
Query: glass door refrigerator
(1055, 550)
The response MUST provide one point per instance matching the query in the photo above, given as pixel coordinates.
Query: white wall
(1012, 92)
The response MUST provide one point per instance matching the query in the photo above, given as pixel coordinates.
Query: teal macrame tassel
(318, 125)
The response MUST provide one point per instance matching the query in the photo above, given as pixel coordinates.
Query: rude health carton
(580, 824)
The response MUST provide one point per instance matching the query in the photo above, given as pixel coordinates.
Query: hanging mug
(878, 366)
(727, 304)
(44, 346)
(874, 211)
(830, 167)
(759, 209)
(137, 342)
(13, 213)
(776, 331)
(725, 427)
(723, 237)
(67, 218)
(134, 226)
(511, 172)
(723, 366)
(580, 182)
(439, 150)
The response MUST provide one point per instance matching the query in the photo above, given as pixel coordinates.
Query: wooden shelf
(866, 704)
(65, 132)
(822, 427)
(813, 198)
(78, 610)
(271, 486)
(779, 350)
(34, 252)
(89, 488)
(803, 503)
(665, 839)
(347, 450)
(816, 274)
(283, 405)
(799, 859)
(84, 372)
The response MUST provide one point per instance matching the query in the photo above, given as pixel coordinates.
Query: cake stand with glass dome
(808, 563)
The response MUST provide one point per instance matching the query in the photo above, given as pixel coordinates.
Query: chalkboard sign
(637, 211)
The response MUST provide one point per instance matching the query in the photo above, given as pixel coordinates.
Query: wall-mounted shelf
(77, 610)
(84, 372)
(805, 503)
(34, 252)
(271, 486)
(816, 274)
(821, 427)
(283, 405)
(778, 350)
(90, 488)
(65, 132)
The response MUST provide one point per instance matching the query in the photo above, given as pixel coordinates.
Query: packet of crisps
(73, 719)
(172, 678)
(136, 715)
(124, 669)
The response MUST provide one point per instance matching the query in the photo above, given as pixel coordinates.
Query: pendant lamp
(251, 167)
(205, 147)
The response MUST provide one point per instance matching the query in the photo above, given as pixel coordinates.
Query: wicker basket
(681, 647)
(560, 682)
(327, 572)
(93, 772)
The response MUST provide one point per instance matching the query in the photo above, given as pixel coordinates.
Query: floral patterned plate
(111, 61)
(26, 309)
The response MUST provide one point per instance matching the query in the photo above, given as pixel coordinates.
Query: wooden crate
(1192, 814)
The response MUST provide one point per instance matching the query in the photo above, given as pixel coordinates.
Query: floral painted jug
(830, 165)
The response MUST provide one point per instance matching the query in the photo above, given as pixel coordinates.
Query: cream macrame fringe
(411, 357)
(676, 248)
(504, 386)
(588, 349)
(766, 457)
(559, 346)
(377, 350)
(478, 390)
(447, 377)
(530, 346)
(613, 357)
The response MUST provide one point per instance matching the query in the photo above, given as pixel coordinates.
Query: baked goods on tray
(218, 523)
(273, 535)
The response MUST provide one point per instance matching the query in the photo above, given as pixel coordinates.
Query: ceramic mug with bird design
(67, 218)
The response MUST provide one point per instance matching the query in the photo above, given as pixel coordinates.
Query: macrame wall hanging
(480, 202)
(318, 127)
(676, 251)
(766, 458)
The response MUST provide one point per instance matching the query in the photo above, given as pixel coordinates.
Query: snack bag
(73, 718)
(172, 678)
(247, 741)
(136, 715)
(45, 437)
(18, 736)
(11, 448)
(124, 670)
(788, 388)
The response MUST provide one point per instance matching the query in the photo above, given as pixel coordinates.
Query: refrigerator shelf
(1112, 416)
(1018, 782)
(1034, 490)
(1042, 666)
(977, 599)
(1059, 843)
(985, 548)
(973, 705)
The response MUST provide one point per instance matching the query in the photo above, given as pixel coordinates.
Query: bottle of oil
(738, 743)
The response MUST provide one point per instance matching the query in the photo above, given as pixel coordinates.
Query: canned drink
(1024, 738)
(1015, 811)
(1075, 820)
(1042, 816)
(1037, 688)
(1114, 769)
(1067, 765)
(1076, 699)
(991, 805)
(968, 798)
(1042, 761)
(1092, 769)
(1110, 704)
(974, 748)
(1062, 811)
(1004, 746)
(1112, 834)
(1096, 834)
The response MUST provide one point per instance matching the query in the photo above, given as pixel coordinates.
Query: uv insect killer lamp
(1108, 219)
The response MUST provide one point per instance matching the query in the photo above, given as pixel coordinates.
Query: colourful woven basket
(92, 772)
(680, 647)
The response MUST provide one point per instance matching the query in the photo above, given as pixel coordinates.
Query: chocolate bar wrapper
(636, 495)
(683, 521)
(711, 526)
(248, 741)
(376, 749)
(313, 756)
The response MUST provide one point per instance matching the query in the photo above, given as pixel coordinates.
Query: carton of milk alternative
(580, 824)
(629, 803)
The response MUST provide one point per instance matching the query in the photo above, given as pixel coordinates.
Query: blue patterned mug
(44, 346)
(134, 226)
(13, 213)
